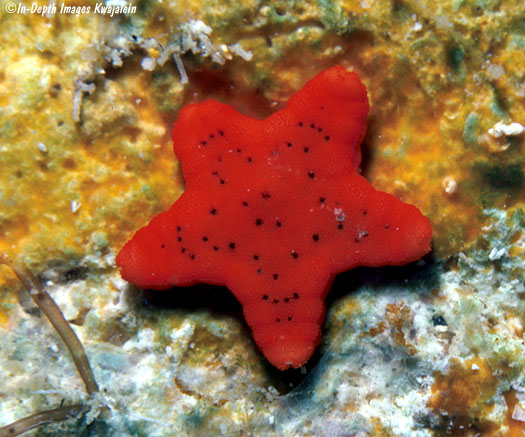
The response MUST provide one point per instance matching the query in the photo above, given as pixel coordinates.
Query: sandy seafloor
(86, 107)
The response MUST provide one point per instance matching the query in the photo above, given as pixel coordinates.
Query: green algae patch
(333, 18)
(167, 91)
(502, 176)
(470, 131)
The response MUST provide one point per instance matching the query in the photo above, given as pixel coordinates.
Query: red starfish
(274, 209)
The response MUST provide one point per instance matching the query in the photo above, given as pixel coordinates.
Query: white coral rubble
(509, 130)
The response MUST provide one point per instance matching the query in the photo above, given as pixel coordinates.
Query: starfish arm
(404, 235)
(169, 250)
(139, 260)
(212, 140)
(285, 314)
(323, 123)
(369, 227)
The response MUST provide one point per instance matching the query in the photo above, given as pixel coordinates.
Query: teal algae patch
(470, 130)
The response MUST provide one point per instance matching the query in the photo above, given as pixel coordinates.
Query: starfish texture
(274, 209)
